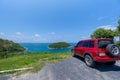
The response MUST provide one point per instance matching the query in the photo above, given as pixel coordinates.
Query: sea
(43, 47)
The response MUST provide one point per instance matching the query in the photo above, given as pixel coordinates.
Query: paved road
(73, 69)
(5, 77)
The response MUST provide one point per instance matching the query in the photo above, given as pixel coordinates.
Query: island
(59, 45)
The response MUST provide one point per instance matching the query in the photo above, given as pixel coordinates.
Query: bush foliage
(106, 33)
(103, 33)
(118, 43)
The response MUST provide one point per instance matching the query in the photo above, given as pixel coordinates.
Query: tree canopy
(103, 33)
(118, 28)
(59, 45)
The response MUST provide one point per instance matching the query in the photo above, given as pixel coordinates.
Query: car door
(85, 47)
(78, 48)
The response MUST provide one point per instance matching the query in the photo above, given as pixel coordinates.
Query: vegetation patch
(107, 33)
(35, 60)
(118, 43)
(9, 48)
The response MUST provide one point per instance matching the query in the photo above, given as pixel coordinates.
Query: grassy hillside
(35, 60)
(9, 48)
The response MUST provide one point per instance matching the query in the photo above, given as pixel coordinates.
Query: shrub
(118, 43)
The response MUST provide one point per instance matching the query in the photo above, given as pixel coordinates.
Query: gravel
(72, 69)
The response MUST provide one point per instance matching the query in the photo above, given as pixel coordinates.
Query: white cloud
(108, 27)
(1, 33)
(18, 33)
(36, 35)
(51, 33)
(38, 38)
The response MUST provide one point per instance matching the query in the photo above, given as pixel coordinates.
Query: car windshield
(104, 43)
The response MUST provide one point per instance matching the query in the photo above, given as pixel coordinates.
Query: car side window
(91, 44)
(79, 44)
(85, 44)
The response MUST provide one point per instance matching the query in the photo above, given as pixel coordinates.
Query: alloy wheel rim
(115, 50)
(88, 60)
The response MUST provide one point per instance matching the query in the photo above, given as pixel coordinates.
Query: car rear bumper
(105, 59)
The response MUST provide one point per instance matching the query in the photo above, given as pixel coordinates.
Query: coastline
(58, 48)
(44, 47)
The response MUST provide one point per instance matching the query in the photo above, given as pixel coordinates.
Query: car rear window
(104, 43)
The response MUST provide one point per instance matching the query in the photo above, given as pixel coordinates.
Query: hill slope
(7, 47)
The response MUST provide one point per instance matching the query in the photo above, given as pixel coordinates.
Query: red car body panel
(94, 52)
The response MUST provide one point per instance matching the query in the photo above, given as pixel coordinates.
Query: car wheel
(89, 61)
(110, 63)
(73, 53)
(112, 50)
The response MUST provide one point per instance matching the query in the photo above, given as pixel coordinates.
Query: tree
(118, 29)
(103, 33)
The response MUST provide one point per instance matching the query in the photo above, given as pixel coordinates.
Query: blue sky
(55, 20)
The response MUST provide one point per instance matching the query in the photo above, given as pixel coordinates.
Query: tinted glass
(91, 44)
(104, 43)
(79, 44)
(85, 44)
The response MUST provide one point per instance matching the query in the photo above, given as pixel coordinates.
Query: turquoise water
(43, 47)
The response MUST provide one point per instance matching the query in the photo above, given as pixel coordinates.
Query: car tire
(89, 61)
(112, 50)
(73, 53)
(110, 63)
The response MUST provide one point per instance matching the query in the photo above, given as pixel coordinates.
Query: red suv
(97, 50)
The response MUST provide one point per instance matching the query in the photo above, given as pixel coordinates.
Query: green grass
(35, 60)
